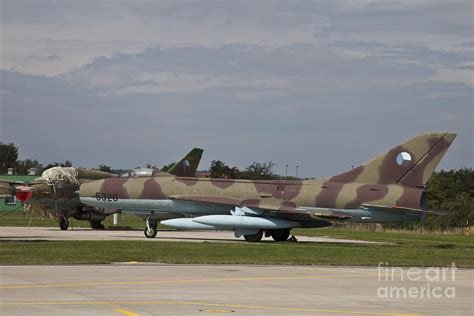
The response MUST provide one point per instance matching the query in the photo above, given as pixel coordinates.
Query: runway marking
(191, 303)
(32, 286)
(122, 311)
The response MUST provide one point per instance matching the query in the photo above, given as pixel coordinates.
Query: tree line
(9, 159)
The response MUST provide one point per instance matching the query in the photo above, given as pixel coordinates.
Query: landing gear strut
(63, 223)
(254, 237)
(150, 229)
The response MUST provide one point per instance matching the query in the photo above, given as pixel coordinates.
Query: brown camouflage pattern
(380, 181)
(62, 195)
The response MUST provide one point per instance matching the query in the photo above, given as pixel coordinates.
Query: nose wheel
(63, 223)
(150, 229)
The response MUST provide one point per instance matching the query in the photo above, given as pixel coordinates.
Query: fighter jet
(387, 189)
(55, 191)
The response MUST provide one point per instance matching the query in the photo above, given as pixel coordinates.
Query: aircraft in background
(55, 191)
(389, 188)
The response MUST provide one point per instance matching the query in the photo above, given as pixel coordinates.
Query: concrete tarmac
(155, 289)
(53, 233)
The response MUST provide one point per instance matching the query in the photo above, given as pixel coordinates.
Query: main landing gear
(281, 234)
(97, 225)
(277, 235)
(254, 237)
(150, 229)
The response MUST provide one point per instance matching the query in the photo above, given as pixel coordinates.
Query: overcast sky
(324, 85)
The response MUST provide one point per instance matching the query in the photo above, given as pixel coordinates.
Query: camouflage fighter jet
(389, 188)
(55, 192)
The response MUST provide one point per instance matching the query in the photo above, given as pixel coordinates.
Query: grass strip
(102, 252)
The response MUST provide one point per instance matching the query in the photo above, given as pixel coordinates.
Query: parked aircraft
(389, 188)
(56, 190)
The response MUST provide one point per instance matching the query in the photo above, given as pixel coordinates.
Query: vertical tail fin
(410, 163)
(188, 165)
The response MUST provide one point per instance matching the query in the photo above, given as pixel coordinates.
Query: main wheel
(96, 225)
(63, 223)
(254, 237)
(150, 232)
(281, 234)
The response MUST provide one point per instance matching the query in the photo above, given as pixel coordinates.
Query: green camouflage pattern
(59, 198)
(381, 184)
(188, 165)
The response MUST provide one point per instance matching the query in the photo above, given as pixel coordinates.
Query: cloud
(80, 32)
(53, 57)
(320, 84)
(304, 68)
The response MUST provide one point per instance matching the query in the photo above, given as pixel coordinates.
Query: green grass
(18, 178)
(401, 248)
(93, 252)
(402, 237)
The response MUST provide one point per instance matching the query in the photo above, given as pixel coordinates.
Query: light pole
(297, 166)
(286, 171)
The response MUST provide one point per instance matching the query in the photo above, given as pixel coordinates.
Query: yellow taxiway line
(32, 286)
(191, 303)
(124, 312)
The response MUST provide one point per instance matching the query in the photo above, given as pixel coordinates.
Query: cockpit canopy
(144, 172)
(139, 172)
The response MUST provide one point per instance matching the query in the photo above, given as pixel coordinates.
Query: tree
(256, 171)
(105, 168)
(24, 165)
(166, 167)
(259, 171)
(67, 163)
(51, 165)
(218, 169)
(453, 192)
(8, 156)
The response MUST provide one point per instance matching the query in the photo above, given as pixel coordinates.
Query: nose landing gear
(63, 223)
(150, 229)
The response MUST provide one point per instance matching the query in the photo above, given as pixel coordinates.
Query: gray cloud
(304, 68)
(320, 84)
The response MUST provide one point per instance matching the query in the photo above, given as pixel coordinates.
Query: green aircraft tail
(188, 165)
(410, 163)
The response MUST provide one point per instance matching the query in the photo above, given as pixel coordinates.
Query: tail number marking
(106, 197)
